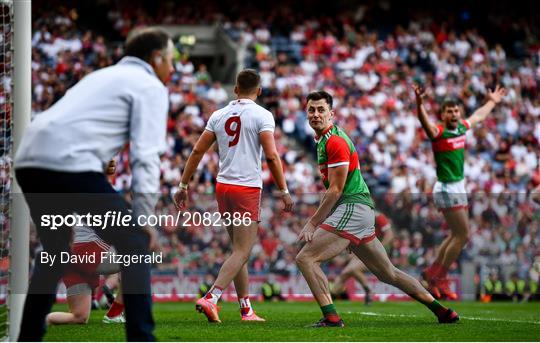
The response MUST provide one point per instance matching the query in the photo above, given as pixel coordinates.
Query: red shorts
(85, 272)
(241, 199)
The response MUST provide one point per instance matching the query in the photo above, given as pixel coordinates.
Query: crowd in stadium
(370, 76)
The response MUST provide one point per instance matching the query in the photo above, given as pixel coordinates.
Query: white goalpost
(17, 52)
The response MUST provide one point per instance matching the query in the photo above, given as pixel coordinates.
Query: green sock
(436, 307)
(330, 313)
(328, 309)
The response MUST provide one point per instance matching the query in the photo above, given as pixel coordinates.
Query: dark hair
(142, 43)
(448, 103)
(318, 95)
(247, 81)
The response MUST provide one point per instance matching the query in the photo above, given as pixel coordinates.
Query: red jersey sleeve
(337, 151)
(439, 134)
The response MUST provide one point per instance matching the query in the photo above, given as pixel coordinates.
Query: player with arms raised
(242, 130)
(345, 218)
(450, 196)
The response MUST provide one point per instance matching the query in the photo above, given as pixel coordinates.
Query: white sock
(245, 304)
(213, 295)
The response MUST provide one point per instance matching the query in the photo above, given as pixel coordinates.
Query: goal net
(6, 46)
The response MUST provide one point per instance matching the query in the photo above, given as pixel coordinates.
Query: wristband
(183, 186)
(284, 191)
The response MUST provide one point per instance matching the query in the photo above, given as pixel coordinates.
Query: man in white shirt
(242, 130)
(60, 166)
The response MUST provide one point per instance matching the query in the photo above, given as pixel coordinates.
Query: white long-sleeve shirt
(96, 118)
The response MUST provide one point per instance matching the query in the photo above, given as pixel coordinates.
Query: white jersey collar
(242, 102)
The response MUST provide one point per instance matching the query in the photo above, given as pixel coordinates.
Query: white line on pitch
(467, 317)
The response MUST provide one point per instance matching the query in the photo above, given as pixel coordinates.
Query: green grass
(403, 321)
(3, 321)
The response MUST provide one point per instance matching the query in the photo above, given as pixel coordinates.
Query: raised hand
(497, 95)
(419, 92)
(481, 113)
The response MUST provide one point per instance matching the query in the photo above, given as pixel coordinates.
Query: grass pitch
(398, 321)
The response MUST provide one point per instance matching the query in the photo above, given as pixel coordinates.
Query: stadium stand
(368, 63)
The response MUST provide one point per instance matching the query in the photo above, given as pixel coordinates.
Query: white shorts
(355, 222)
(450, 195)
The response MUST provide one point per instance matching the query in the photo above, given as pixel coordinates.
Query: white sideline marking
(502, 320)
(468, 318)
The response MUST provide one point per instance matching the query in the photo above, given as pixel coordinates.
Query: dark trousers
(59, 193)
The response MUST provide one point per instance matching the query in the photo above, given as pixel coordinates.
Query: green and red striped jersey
(449, 150)
(334, 148)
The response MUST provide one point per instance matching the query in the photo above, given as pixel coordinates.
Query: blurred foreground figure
(61, 164)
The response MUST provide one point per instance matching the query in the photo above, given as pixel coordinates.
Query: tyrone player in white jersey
(242, 130)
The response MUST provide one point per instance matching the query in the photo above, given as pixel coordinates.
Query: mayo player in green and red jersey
(449, 194)
(345, 218)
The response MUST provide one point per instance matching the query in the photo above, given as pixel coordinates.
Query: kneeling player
(345, 218)
(82, 278)
(355, 268)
